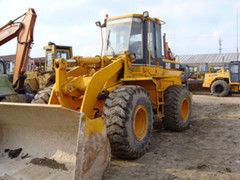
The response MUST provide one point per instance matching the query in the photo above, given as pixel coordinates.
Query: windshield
(62, 54)
(203, 67)
(234, 69)
(124, 34)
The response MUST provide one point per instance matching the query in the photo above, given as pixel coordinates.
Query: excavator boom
(7, 34)
(167, 51)
(24, 33)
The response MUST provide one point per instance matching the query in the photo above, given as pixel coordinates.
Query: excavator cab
(53, 52)
(235, 71)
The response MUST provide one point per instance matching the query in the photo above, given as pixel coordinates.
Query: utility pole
(220, 45)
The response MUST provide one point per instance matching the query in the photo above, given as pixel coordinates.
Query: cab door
(154, 43)
(235, 72)
(151, 44)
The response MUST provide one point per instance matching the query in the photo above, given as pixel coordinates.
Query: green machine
(6, 88)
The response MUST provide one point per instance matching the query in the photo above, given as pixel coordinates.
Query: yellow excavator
(105, 104)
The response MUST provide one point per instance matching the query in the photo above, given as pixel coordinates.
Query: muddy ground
(209, 149)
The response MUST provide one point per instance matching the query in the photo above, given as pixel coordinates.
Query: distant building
(32, 63)
(211, 59)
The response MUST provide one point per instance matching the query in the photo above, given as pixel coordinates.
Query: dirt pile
(51, 163)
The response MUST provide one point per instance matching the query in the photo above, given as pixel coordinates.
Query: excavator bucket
(51, 142)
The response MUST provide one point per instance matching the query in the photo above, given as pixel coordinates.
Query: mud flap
(93, 149)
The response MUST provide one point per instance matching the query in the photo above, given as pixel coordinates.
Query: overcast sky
(192, 26)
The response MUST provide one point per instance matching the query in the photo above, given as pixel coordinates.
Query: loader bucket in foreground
(40, 142)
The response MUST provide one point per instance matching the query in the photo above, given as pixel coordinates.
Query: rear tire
(220, 88)
(42, 96)
(128, 114)
(177, 108)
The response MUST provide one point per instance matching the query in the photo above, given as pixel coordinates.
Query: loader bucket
(44, 141)
(195, 86)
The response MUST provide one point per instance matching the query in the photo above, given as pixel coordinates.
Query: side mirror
(132, 56)
(98, 23)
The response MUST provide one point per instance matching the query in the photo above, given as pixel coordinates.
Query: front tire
(128, 114)
(220, 88)
(177, 108)
(42, 96)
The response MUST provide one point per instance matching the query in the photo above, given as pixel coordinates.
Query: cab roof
(137, 15)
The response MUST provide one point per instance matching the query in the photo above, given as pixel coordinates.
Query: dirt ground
(209, 149)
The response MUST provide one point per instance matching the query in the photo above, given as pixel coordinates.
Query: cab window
(135, 43)
(158, 40)
(151, 41)
(62, 54)
(49, 59)
(234, 69)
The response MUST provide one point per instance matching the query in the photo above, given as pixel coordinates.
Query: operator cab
(203, 68)
(234, 68)
(186, 74)
(54, 51)
(137, 33)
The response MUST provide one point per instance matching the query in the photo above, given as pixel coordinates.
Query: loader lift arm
(24, 33)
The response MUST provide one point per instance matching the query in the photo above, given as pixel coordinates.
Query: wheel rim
(140, 122)
(185, 108)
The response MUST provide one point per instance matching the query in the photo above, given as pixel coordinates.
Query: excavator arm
(24, 33)
(167, 51)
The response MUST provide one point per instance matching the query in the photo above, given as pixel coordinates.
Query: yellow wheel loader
(104, 104)
(41, 80)
(196, 78)
(224, 82)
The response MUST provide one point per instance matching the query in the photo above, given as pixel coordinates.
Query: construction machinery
(104, 104)
(28, 82)
(167, 51)
(6, 88)
(23, 31)
(43, 77)
(53, 52)
(224, 82)
(196, 77)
